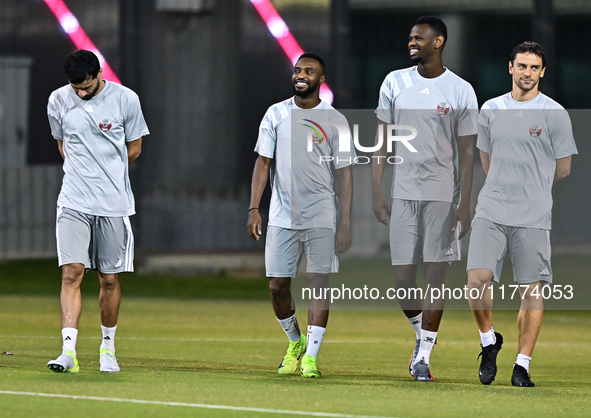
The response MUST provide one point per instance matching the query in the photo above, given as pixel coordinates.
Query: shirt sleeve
(561, 133)
(468, 116)
(483, 141)
(134, 123)
(385, 109)
(267, 139)
(55, 118)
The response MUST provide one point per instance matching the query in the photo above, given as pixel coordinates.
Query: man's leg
(481, 306)
(71, 307)
(529, 322)
(109, 302)
(432, 313)
(284, 308)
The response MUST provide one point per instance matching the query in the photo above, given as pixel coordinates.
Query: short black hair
(529, 47)
(80, 65)
(316, 57)
(436, 25)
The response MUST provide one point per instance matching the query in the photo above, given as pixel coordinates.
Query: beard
(416, 60)
(91, 95)
(524, 87)
(307, 92)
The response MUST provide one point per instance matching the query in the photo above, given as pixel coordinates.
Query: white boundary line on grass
(185, 404)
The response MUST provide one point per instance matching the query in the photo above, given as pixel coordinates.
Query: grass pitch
(210, 341)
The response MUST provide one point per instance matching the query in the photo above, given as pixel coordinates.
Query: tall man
(431, 186)
(99, 128)
(526, 143)
(303, 215)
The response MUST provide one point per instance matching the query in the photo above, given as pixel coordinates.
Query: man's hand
(380, 204)
(254, 224)
(342, 239)
(463, 217)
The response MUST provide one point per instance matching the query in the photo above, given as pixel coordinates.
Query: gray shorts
(529, 249)
(100, 243)
(421, 232)
(284, 249)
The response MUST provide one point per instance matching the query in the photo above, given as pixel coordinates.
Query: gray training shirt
(524, 140)
(441, 109)
(94, 134)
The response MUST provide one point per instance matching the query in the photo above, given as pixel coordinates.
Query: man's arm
(562, 168)
(485, 159)
(466, 160)
(134, 149)
(343, 235)
(378, 163)
(260, 175)
(60, 146)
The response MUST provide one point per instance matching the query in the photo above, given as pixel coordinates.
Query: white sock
(523, 361)
(416, 323)
(314, 340)
(488, 337)
(108, 338)
(69, 336)
(291, 328)
(427, 341)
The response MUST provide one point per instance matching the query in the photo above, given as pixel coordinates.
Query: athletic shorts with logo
(100, 243)
(529, 249)
(285, 248)
(421, 232)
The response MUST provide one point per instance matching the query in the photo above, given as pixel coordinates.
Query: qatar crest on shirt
(105, 125)
(535, 130)
(442, 108)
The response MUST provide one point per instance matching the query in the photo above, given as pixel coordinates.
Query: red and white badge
(535, 130)
(105, 125)
(443, 108)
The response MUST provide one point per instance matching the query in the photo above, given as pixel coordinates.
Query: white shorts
(421, 232)
(100, 243)
(284, 249)
(529, 249)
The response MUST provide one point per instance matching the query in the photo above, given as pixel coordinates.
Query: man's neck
(307, 102)
(521, 95)
(431, 69)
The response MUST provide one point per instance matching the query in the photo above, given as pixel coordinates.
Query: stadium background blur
(206, 70)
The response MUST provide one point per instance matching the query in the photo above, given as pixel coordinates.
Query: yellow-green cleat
(66, 363)
(289, 364)
(309, 367)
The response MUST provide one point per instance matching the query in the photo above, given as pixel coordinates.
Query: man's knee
(72, 274)
(479, 277)
(279, 287)
(109, 281)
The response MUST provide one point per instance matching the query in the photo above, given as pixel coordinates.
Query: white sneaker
(66, 363)
(108, 361)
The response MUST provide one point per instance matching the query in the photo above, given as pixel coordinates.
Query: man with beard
(303, 214)
(99, 128)
(526, 143)
(430, 206)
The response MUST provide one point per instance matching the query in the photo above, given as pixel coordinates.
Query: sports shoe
(66, 363)
(108, 361)
(488, 364)
(309, 367)
(289, 364)
(413, 357)
(422, 372)
(521, 377)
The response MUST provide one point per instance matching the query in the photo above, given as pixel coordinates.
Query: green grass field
(214, 341)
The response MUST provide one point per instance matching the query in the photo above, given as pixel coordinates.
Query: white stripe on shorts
(128, 245)
(57, 236)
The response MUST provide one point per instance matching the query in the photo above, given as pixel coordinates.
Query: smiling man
(430, 207)
(303, 214)
(526, 144)
(99, 128)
